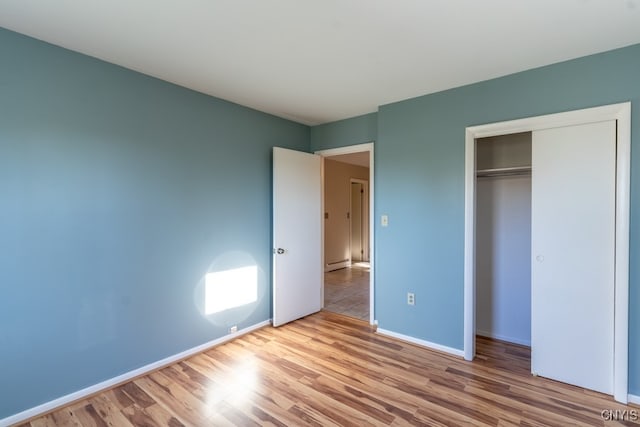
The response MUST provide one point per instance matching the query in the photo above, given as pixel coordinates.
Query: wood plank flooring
(328, 370)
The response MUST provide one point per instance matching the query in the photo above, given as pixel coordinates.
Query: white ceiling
(324, 60)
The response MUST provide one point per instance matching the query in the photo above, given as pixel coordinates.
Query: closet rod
(513, 171)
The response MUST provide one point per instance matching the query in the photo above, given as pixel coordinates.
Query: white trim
(469, 338)
(120, 379)
(634, 399)
(621, 304)
(422, 343)
(504, 338)
(348, 150)
(322, 211)
(620, 112)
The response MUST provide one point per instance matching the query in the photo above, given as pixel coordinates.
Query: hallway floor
(346, 291)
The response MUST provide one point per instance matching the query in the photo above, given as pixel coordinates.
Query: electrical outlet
(233, 329)
(411, 298)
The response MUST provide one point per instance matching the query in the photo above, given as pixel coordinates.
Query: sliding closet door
(573, 237)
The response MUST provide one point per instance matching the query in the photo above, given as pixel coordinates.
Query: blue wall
(356, 130)
(119, 192)
(420, 184)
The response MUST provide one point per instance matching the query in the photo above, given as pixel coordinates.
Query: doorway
(619, 115)
(359, 218)
(347, 236)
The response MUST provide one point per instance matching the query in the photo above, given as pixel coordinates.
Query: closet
(545, 231)
(503, 237)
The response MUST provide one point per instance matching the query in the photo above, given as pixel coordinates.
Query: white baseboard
(634, 399)
(120, 379)
(504, 338)
(423, 343)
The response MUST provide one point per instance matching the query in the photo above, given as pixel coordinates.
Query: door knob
(280, 251)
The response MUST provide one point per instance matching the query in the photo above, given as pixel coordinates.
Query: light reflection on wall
(230, 288)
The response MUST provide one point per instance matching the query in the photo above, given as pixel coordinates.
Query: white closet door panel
(573, 238)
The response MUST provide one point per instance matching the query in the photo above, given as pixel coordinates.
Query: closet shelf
(517, 170)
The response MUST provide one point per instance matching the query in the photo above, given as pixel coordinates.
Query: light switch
(384, 220)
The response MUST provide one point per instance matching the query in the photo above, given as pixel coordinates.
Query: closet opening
(503, 239)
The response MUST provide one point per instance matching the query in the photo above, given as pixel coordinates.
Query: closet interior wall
(503, 237)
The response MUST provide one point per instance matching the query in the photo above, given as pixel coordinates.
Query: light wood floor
(328, 369)
(346, 291)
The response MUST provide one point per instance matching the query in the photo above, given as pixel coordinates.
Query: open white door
(297, 234)
(573, 249)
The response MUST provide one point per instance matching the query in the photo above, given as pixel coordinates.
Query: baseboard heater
(337, 265)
